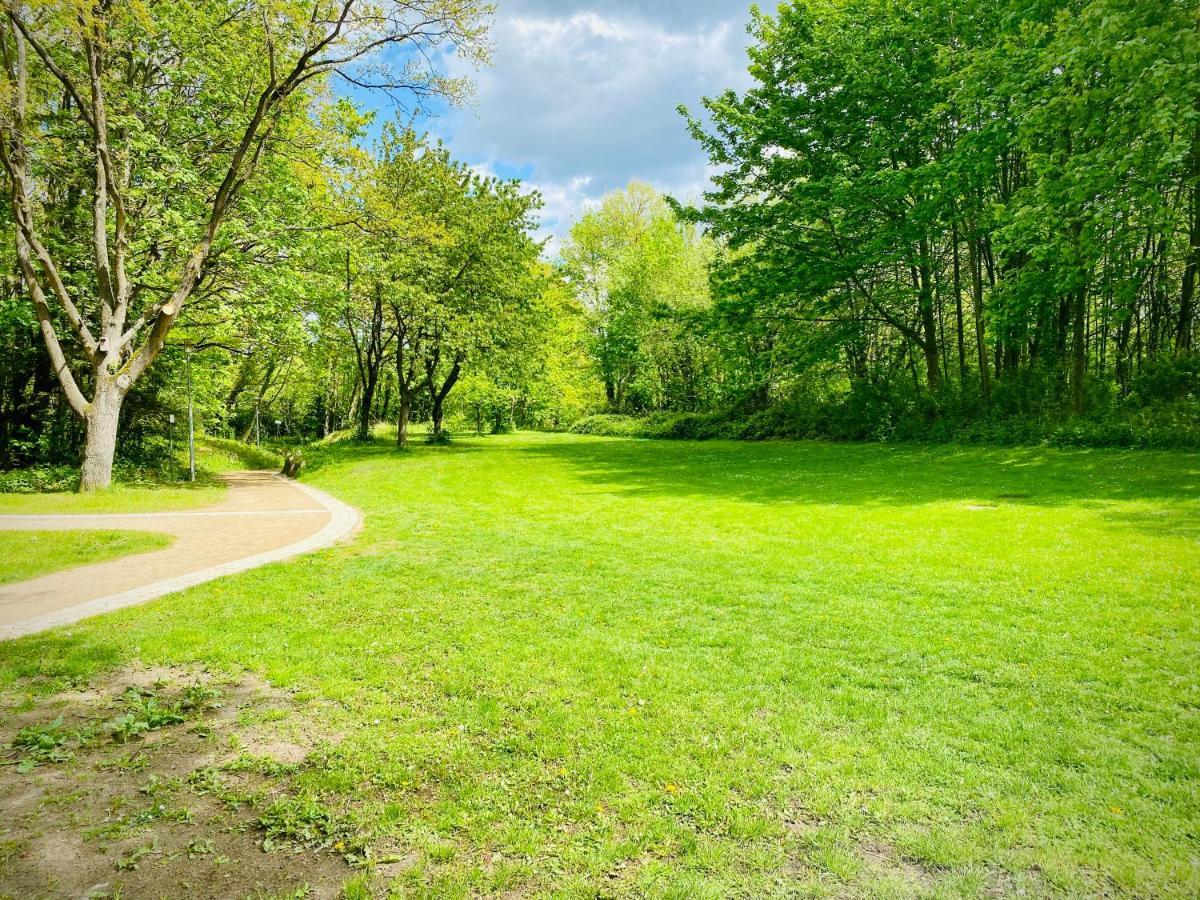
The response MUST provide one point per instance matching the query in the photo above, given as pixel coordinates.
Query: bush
(880, 414)
(39, 480)
(1167, 380)
(1117, 434)
(610, 425)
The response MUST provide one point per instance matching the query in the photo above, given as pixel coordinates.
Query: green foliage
(879, 413)
(980, 212)
(611, 424)
(163, 167)
(144, 711)
(39, 479)
(41, 743)
(306, 822)
(642, 276)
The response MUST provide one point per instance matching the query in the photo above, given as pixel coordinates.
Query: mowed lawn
(28, 554)
(590, 667)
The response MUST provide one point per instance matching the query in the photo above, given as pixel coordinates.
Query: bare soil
(91, 805)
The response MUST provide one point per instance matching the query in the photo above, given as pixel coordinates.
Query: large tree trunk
(985, 379)
(402, 417)
(364, 410)
(933, 367)
(101, 444)
(438, 395)
(1191, 272)
(1078, 349)
(438, 415)
(958, 309)
(922, 276)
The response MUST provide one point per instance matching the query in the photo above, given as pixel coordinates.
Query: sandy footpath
(264, 518)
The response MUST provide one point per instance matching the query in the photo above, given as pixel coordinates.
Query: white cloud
(582, 97)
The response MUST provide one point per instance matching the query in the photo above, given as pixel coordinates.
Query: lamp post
(171, 440)
(278, 428)
(191, 423)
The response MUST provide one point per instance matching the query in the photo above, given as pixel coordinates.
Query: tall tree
(178, 114)
(641, 273)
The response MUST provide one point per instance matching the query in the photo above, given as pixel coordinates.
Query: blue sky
(581, 96)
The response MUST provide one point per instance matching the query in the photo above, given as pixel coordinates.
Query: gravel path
(264, 518)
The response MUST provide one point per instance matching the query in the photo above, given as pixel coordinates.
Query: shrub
(610, 425)
(871, 414)
(39, 479)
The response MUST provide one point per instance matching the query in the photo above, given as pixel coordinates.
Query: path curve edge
(344, 521)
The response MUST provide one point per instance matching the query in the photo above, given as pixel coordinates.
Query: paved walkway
(264, 518)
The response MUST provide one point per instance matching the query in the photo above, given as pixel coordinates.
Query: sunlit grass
(117, 499)
(624, 667)
(28, 554)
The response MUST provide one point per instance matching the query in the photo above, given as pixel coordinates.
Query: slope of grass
(28, 554)
(224, 455)
(590, 666)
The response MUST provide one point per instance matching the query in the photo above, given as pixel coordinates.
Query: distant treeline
(928, 219)
(976, 219)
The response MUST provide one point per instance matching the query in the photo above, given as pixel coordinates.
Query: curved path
(263, 518)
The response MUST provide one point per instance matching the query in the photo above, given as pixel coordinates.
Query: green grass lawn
(614, 667)
(28, 554)
(117, 499)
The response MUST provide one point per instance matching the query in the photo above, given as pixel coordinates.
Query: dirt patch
(165, 783)
(883, 861)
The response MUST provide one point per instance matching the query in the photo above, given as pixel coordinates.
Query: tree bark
(1078, 348)
(922, 278)
(958, 308)
(363, 433)
(985, 373)
(101, 443)
(438, 415)
(403, 414)
(1191, 272)
(438, 395)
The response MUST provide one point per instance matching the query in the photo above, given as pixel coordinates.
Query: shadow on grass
(877, 474)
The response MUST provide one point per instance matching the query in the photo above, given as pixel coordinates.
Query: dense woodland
(971, 220)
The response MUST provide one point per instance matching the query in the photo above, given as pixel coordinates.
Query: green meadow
(602, 667)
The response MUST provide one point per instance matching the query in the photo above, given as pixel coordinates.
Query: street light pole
(191, 423)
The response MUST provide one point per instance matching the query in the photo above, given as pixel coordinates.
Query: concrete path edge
(344, 520)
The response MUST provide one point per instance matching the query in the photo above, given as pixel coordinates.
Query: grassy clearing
(28, 554)
(593, 666)
(117, 499)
